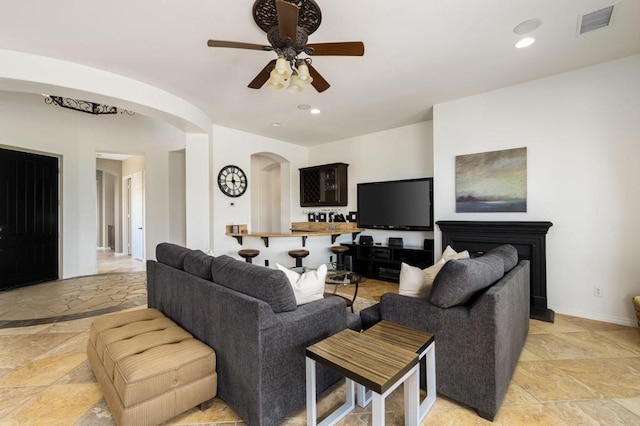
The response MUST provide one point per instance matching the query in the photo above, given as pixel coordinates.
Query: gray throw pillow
(509, 255)
(459, 280)
(198, 263)
(171, 254)
(269, 285)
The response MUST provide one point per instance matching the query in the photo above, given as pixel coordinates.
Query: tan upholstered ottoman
(149, 368)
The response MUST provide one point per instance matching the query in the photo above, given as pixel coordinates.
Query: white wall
(236, 147)
(27, 123)
(177, 198)
(582, 133)
(401, 153)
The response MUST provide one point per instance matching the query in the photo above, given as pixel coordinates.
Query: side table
(371, 362)
(417, 341)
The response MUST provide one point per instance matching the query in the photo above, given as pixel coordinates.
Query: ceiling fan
(288, 24)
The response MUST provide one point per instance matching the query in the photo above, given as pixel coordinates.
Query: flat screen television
(398, 205)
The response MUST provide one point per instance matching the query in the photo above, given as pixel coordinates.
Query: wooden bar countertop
(299, 229)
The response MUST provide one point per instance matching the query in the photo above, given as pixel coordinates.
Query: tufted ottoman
(149, 368)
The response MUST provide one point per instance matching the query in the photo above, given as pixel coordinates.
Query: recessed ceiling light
(275, 124)
(304, 106)
(525, 42)
(315, 111)
(527, 26)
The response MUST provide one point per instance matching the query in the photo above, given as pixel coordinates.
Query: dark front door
(28, 218)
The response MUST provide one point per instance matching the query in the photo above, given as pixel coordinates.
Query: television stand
(383, 262)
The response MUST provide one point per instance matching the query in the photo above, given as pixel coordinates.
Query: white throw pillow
(416, 282)
(450, 253)
(431, 272)
(308, 286)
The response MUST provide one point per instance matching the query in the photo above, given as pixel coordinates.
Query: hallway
(110, 262)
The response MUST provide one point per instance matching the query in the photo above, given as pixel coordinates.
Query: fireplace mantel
(529, 238)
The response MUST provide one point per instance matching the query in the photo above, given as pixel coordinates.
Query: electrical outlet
(598, 292)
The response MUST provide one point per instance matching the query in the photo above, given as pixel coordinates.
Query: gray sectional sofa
(478, 311)
(248, 315)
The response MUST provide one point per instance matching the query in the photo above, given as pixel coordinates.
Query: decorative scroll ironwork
(85, 106)
(266, 16)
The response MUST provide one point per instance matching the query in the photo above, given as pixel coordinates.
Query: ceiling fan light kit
(288, 24)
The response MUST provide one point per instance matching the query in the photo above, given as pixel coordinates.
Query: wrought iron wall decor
(85, 106)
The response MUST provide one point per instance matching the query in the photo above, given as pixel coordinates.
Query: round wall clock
(232, 181)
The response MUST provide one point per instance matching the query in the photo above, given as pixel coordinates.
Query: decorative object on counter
(248, 254)
(322, 217)
(352, 217)
(312, 217)
(235, 229)
(232, 181)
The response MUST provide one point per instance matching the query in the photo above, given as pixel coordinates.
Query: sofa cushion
(449, 254)
(308, 286)
(509, 255)
(198, 263)
(269, 285)
(416, 282)
(459, 280)
(171, 254)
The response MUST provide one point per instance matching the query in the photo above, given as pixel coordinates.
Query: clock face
(232, 181)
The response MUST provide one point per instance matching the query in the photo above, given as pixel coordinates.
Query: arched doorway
(270, 194)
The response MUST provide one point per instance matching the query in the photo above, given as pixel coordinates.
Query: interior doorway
(120, 211)
(270, 193)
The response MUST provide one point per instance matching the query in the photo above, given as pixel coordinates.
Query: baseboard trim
(631, 322)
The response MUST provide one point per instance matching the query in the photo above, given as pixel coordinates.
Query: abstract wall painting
(491, 182)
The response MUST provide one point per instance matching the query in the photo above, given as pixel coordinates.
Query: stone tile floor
(572, 372)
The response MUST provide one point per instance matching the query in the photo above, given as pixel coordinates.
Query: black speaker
(395, 242)
(366, 240)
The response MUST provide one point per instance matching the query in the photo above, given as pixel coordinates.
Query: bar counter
(299, 229)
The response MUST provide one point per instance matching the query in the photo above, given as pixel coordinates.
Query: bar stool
(298, 255)
(248, 254)
(339, 252)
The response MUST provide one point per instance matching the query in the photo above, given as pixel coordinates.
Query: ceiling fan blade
(237, 45)
(319, 83)
(287, 19)
(262, 76)
(346, 48)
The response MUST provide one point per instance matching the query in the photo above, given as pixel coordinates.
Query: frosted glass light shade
(282, 67)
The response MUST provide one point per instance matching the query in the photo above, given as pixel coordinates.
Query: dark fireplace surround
(529, 239)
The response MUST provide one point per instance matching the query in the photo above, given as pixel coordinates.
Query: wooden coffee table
(370, 361)
(417, 341)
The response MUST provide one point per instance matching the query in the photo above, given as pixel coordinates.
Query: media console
(383, 262)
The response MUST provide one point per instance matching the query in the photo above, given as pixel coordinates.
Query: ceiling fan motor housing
(266, 16)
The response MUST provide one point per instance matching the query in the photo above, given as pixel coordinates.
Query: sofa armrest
(370, 316)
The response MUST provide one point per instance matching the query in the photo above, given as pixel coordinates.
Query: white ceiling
(417, 53)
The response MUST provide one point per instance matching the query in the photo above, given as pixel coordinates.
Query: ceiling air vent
(594, 20)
